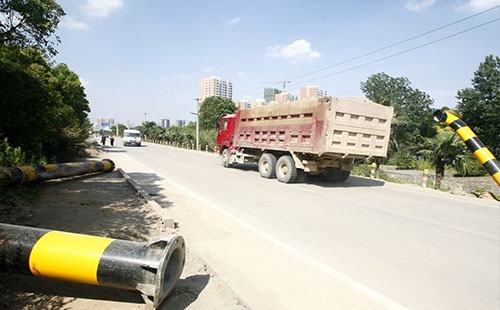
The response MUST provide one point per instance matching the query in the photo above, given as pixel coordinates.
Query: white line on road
(330, 271)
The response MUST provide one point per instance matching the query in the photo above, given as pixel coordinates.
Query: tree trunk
(439, 174)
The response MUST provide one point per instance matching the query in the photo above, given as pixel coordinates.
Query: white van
(131, 136)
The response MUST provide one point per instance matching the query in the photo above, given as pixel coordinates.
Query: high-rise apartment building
(214, 86)
(180, 123)
(282, 97)
(269, 94)
(165, 123)
(311, 91)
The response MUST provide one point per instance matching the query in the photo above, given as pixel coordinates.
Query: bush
(362, 170)
(11, 156)
(469, 166)
(403, 160)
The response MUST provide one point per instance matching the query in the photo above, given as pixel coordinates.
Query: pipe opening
(439, 116)
(172, 271)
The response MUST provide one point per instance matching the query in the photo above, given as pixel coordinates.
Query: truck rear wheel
(225, 159)
(267, 166)
(286, 170)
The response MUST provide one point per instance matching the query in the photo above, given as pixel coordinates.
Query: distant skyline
(137, 57)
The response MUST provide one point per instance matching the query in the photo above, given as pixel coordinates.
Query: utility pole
(197, 122)
(284, 84)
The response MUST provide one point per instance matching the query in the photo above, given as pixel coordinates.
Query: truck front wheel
(267, 166)
(225, 159)
(286, 170)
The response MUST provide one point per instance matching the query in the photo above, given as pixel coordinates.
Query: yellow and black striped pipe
(25, 174)
(150, 268)
(483, 155)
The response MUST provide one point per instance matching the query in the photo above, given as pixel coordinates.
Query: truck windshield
(131, 134)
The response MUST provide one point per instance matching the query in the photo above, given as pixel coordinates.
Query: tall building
(242, 104)
(269, 94)
(214, 86)
(165, 123)
(180, 123)
(282, 97)
(312, 91)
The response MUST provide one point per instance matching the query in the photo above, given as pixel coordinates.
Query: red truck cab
(225, 134)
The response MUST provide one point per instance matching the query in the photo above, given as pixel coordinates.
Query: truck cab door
(225, 132)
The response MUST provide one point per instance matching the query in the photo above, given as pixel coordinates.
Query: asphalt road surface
(404, 246)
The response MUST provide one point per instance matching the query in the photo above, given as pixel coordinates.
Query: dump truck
(321, 136)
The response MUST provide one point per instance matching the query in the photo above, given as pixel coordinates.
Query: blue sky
(137, 57)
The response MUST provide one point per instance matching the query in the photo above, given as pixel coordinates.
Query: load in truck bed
(352, 127)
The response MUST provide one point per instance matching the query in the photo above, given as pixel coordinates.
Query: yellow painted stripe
(483, 155)
(29, 172)
(51, 167)
(68, 256)
(106, 165)
(466, 133)
(450, 118)
(496, 177)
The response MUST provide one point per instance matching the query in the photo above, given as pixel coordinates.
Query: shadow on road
(148, 182)
(353, 181)
(186, 291)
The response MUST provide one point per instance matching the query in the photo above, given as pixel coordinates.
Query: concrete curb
(167, 220)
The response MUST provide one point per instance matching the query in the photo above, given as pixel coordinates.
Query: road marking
(332, 272)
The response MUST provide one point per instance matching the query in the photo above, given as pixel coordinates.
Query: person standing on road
(112, 140)
(103, 139)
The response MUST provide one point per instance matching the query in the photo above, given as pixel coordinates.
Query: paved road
(410, 247)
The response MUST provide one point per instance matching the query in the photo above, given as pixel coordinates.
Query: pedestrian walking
(103, 139)
(112, 140)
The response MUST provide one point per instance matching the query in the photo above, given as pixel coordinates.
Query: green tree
(30, 23)
(121, 128)
(444, 148)
(43, 109)
(412, 108)
(480, 105)
(212, 109)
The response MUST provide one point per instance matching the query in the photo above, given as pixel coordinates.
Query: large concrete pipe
(24, 174)
(150, 268)
(483, 155)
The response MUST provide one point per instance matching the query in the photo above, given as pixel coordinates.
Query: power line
(395, 44)
(380, 49)
(403, 52)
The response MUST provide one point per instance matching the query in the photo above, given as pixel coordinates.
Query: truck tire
(267, 166)
(344, 175)
(225, 159)
(286, 171)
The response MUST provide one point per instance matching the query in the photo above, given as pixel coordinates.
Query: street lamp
(197, 122)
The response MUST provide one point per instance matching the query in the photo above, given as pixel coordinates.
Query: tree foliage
(30, 23)
(412, 108)
(444, 148)
(43, 109)
(212, 109)
(480, 105)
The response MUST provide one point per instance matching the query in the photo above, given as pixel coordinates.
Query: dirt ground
(102, 205)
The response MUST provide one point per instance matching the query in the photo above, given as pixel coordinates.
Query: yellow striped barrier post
(373, 171)
(425, 178)
(481, 152)
(150, 268)
(206, 148)
(25, 174)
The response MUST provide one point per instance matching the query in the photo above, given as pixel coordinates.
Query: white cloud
(233, 21)
(70, 23)
(296, 52)
(419, 5)
(100, 8)
(478, 5)
(208, 69)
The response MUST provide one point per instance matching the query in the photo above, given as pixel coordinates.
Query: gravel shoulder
(102, 205)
